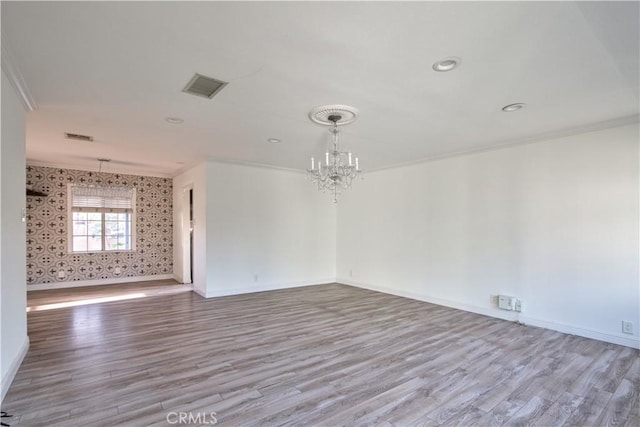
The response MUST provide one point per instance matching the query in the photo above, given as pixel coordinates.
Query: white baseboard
(627, 341)
(98, 282)
(266, 287)
(7, 379)
(199, 292)
(631, 341)
(500, 314)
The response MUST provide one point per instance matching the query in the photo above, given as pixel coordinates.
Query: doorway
(187, 234)
(191, 235)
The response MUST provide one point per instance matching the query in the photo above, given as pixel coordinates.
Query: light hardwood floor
(322, 355)
(83, 295)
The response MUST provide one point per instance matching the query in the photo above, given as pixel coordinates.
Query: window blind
(86, 197)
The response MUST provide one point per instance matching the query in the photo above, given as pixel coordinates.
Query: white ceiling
(116, 70)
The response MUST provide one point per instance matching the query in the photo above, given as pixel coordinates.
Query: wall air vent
(204, 86)
(78, 137)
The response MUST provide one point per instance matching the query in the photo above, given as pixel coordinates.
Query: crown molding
(542, 137)
(113, 169)
(253, 165)
(10, 69)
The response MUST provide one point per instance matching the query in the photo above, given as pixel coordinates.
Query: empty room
(320, 213)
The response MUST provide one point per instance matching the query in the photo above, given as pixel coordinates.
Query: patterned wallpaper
(47, 237)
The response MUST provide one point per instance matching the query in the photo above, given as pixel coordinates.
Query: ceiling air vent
(204, 86)
(78, 137)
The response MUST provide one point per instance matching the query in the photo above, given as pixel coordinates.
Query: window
(101, 218)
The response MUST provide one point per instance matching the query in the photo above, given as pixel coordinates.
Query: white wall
(265, 229)
(554, 223)
(13, 277)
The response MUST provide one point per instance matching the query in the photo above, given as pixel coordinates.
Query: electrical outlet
(506, 302)
(518, 306)
(627, 327)
(61, 274)
(117, 270)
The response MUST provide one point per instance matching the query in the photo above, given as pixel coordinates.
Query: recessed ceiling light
(446, 64)
(174, 120)
(274, 140)
(513, 107)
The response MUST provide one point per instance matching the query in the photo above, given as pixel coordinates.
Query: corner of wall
(12, 370)
(15, 341)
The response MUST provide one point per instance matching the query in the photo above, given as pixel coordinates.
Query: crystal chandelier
(340, 168)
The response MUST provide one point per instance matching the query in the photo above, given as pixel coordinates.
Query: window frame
(102, 211)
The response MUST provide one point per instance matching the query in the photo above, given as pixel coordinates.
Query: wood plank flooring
(83, 295)
(315, 356)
